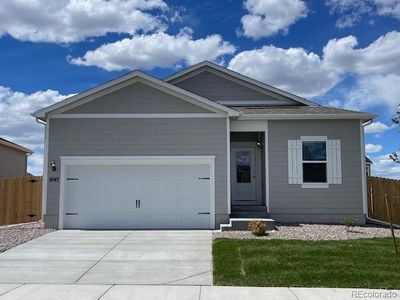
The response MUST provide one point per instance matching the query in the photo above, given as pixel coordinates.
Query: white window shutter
(294, 161)
(334, 159)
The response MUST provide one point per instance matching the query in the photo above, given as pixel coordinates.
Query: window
(314, 162)
(243, 166)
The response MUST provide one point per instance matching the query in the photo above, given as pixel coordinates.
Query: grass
(362, 263)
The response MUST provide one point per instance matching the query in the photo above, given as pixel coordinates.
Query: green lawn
(363, 263)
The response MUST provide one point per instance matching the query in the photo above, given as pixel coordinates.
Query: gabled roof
(368, 160)
(15, 146)
(130, 78)
(300, 112)
(185, 73)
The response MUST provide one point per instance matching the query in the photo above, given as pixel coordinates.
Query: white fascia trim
(15, 146)
(136, 160)
(179, 76)
(130, 78)
(136, 116)
(305, 117)
(363, 170)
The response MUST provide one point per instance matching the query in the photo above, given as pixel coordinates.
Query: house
(192, 150)
(13, 159)
(368, 166)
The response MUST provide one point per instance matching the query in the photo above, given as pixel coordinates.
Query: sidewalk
(144, 292)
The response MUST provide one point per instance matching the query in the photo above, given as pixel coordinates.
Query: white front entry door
(137, 196)
(243, 175)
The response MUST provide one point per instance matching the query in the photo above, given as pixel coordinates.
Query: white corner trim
(45, 168)
(228, 164)
(135, 160)
(317, 185)
(314, 138)
(363, 170)
(266, 151)
(137, 116)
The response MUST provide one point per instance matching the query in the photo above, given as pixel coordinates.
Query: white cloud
(17, 124)
(269, 17)
(156, 50)
(293, 69)
(376, 127)
(384, 167)
(388, 8)
(374, 91)
(75, 20)
(380, 57)
(351, 12)
(309, 75)
(372, 148)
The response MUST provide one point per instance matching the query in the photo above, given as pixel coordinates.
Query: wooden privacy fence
(377, 188)
(20, 199)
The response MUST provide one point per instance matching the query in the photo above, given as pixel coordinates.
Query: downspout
(369, 219)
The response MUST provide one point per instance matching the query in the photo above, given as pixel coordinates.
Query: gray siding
(12, 162)
(135, 137)
(217, 88)
(291, 202)
(137, 98)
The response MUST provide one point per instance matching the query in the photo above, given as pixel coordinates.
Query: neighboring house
(196, 148)
(13, 159)
(368, 166)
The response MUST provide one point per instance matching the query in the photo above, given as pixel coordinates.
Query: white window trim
(314, 185)
(135, 160)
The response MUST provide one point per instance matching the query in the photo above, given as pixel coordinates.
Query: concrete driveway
(111, 257)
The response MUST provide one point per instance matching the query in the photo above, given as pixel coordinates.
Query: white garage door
(137, 196)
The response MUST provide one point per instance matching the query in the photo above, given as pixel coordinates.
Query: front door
(243, 175)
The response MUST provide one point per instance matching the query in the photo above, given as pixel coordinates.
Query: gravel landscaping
(14, 235)
(312, 232)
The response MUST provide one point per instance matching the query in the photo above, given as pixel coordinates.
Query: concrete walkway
(111, 257)
(163, 292)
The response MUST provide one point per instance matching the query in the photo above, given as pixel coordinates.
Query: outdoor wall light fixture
(53, 165)
(259, 143)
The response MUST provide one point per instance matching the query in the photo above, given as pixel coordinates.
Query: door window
(243, 166)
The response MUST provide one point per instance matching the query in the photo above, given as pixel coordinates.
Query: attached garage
(137, 192)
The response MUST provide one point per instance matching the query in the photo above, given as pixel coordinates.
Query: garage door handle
(203, 213)
(71, 214)
(204, 178)
(138, 203)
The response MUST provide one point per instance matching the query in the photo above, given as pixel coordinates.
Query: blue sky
(343, 53)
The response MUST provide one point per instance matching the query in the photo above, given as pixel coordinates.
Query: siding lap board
(137, 98)
(137, 137)
(291, 202)
(216, 88)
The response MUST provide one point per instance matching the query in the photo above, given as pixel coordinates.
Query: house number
(54, 179)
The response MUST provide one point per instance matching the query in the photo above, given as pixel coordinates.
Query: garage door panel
(171, 196)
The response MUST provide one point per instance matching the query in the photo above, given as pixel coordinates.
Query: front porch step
(249, 214)
(242, 224)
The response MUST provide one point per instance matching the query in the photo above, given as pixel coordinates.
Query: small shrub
(258, 228)
(349, 222)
